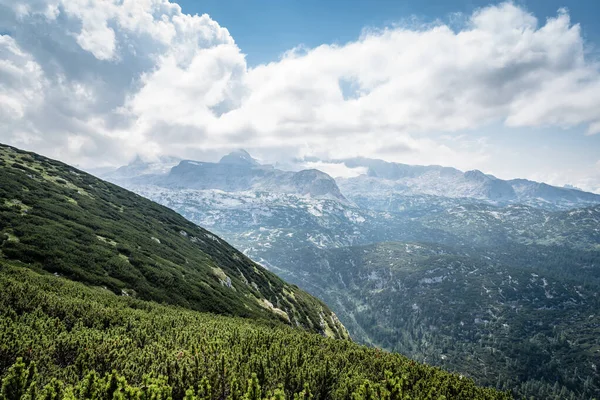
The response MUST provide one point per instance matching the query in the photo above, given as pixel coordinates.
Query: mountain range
(384, 186)
(236, 171)
(393, 182)
(107, 295)
(512, 261)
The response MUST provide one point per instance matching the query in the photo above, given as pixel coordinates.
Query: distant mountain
(239, 157)
(526, 189)
(386, 180)
(386, 186)
(140, 169)
(64, 221)
(475, 231)
(235, 172)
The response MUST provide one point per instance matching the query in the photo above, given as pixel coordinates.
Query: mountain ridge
(235, 172)
(396, 179)
(59, 219)
(239, 171)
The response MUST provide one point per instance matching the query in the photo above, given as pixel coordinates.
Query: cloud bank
(95, 83)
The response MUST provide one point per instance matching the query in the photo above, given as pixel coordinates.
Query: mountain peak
(140, 160)
(239, 157)
(137, 160)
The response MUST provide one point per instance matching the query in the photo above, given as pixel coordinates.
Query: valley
(502, 291)
(107, 295)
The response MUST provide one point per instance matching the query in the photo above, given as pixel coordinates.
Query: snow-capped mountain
(235, 172)
(394, 182)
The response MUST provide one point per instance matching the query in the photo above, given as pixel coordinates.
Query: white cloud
(21, 80)
(115, 78)
(587, 179)
(70, 67)
(336, 170)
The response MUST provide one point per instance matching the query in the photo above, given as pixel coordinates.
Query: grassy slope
(56, 218)
(69, 330)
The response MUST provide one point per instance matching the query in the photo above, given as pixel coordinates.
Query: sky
(509, 88)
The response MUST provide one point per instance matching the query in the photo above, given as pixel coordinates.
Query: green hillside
(102, 334)
(64, 221)
(523, 318)
(60, 339)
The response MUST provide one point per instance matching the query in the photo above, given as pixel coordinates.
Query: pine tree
(365, 392)
(204, 391)
(52, 391)
(253, 392)
(17, 381)
(305, 394)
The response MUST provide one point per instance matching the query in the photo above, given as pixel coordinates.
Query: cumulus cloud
(21, 79)
(78, 78)
(96, 82)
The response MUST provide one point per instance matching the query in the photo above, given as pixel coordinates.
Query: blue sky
(265, 29)
(510, 88)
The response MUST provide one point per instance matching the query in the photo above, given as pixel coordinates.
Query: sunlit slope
(90, 343)
(62, 220)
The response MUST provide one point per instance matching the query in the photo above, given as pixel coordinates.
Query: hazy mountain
(393, 182)
(239, 157)
(235, 172)
(141, 170)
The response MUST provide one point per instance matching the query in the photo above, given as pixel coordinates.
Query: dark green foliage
(56, 218)
(63, 340)
(522, 318)
(18, 381)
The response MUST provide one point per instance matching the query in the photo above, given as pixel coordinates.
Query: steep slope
(56, 218)
(63, 340)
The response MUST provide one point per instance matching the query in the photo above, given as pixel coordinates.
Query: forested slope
(523, 318)
(63, 340)
(56, 218)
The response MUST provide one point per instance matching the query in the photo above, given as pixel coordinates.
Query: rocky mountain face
(455, 268)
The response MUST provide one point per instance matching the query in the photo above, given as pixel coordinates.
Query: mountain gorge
(496, 279)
